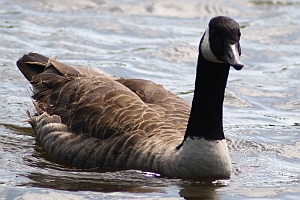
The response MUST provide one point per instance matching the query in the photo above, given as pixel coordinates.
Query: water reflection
(123, 181)
(200, 191)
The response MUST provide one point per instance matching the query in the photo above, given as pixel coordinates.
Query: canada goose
(90, 119)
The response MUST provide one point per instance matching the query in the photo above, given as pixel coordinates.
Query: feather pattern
(119, 115)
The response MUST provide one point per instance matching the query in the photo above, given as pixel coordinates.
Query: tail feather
(32, 64)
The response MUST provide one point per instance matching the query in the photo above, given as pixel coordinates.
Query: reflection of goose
(90, 119)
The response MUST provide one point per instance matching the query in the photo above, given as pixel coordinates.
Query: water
(157, 40)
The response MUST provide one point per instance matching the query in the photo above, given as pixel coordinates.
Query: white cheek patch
(206, 50)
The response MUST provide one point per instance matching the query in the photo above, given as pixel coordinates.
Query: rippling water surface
(157, 40)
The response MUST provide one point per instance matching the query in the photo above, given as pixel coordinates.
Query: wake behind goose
(91, 119)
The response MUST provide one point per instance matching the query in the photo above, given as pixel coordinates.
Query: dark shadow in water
(123, 181)
(18, 129)
(200, 191)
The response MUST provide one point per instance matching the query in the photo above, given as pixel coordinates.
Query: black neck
(206, 118)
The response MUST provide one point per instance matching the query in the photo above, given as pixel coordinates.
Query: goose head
(220, 42)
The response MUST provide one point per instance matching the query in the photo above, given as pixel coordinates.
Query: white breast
(200, 157)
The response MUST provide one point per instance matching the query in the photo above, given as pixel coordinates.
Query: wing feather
(93, 119)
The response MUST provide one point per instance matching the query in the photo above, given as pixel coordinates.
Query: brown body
(99, 120)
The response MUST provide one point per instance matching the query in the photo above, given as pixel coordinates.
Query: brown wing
(169, 106)
(115, 114)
